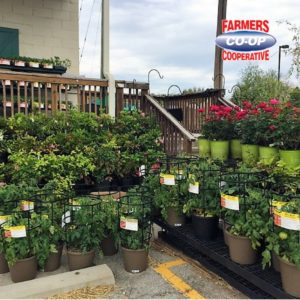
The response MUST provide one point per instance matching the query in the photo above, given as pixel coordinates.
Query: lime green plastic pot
(268, 155)
(249, 154)
(290, 157)
(236, 149)
(204, 147)
(219, 150)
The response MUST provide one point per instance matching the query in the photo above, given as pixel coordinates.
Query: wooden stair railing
(176, 138)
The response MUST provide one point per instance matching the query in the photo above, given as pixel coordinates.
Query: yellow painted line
(176, 281)
(172, 263)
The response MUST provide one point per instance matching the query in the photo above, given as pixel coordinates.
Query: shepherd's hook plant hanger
(160, 76)
(174, 85)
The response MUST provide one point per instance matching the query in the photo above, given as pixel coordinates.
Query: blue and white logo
(245, 41)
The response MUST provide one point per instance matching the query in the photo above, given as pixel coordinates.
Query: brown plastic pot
(24, 269)
(240, 249)
(108, 246)
(3, 264)
(53, 261)
(290, 277)
(135, 261)
(78, 260)
(275, 262)
(174, 218)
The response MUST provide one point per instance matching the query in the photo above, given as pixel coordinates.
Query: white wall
(47, 28)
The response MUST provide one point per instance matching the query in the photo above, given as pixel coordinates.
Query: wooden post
(119, 100)
(218, 72)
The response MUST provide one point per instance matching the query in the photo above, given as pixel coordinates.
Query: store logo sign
(245, 40)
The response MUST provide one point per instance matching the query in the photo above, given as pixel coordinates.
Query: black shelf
(55, 70)
(251, 280)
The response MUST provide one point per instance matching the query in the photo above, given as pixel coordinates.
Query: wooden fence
(22, 92)
(187, 105)
(176, 138)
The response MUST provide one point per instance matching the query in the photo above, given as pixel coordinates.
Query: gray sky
(178, 38)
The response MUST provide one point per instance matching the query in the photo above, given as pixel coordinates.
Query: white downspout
(105, 73)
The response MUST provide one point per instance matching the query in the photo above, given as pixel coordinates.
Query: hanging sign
(286, 220)
(194, 187)
(167, 179)
(276, 204)
(15, 231)
(230, 202)
(3, 219)
(129, 224)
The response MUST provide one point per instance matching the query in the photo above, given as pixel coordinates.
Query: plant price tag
(129, 224)
(276, 204)
(167, 179)
(142, 171)
(15, 231)
(230, 202)
(194, 187)
(66, 218)
(287, 220)
(3, 219)
(27, 205)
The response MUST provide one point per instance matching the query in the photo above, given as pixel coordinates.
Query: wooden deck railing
(176, 138)
(129, 95)
(23, 92)
(188, 104)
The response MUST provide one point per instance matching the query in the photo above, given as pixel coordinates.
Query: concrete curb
(59, 283)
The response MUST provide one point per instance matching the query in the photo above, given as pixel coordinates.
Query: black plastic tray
(251, 280)
(55, 70)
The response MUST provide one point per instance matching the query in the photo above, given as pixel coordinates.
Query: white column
(105, 73)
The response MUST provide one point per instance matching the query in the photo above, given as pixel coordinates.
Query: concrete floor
(150, 284)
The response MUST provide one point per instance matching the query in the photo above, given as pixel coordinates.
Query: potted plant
(110, 241)
(19, 61)
(47, 63)
(3, 263)
(203, 199)
(135, 230)
(33, 62)
(19, 252)
(246, 211)
(5, 61)
(247, 131)
(84, 221)
(218, 129)
(286, 131)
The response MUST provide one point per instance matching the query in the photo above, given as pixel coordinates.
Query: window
(9, 42)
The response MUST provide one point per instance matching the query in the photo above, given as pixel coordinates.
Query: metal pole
(105, 73)
(279, 59)
(218, 69)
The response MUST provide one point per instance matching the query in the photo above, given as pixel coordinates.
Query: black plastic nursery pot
(79, 260)
(54, 260)
(135, 261)
(205, 228)
(24, 269)
(3, 264)
(108, 246)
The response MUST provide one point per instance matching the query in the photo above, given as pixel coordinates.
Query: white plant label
(129, 224)
(194, 187)
(167, 179)
(15, 231)
(27, 205)
(142, 171)
(287, 220)
(230, 202)
(66, 218)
